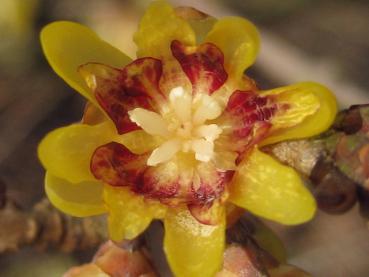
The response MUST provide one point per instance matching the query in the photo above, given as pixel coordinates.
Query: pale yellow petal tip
(239, 41)
(313, 124)
(79, 200)
(305, 212)
(67, 45)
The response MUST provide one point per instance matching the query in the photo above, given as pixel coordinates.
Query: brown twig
(336, 163)
(44, 226)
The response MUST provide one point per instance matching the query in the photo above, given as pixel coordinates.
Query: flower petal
(203, 65)
(238, 39)
(193, 249)
(209, 214)
(272, 190)
(129, 214)
(118, 91)
(245, 122)
(67, 45)
(200, 22)
(161, 16)
(66, 152)
(81, 199)
(115, 165)
(313, 109)
(208, 183)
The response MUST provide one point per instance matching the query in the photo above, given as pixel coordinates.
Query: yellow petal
(271, 190)
(129, 214)
(67, 45)
(200, 22)
(81, 199)
(193, 249)
(66, 152)
(313, 97)
(158, 28)
(239, 41)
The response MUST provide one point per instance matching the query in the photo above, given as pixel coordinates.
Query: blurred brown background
(325, 41)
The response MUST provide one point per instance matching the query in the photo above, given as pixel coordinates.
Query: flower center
(183, 126)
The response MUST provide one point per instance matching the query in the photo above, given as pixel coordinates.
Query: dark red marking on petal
(209, 185)
(208, 214)
(121, 90)
(249, 116)
(159, 182)
(115, 165)
(203, 65)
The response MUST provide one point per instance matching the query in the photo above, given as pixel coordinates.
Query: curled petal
(129, 214)
(119, 91)
(271, 190)
(81, 199)
(311, 110)
(203, 65)
(67, 45)
(66, 152)
(161, 16)
(193, 249)
(238, 39)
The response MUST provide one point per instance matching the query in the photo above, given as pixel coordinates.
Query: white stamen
(182, 126)
(149, 121)
(209, 132)
(164, 152)
(203, 149)
(207, 109)
(181, 102)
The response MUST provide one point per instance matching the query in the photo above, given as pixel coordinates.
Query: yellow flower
(176, 133)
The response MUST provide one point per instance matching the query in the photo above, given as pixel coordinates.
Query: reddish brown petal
(171, 182)
(115, 165)
(248, 116)
(121, 90)
(203, 65)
